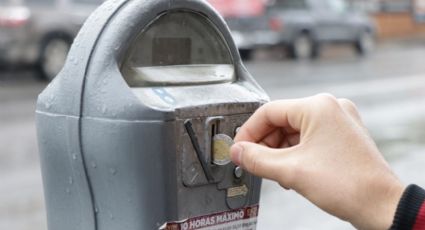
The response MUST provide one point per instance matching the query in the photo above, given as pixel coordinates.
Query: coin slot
(211, 144)
(212, 128)
(214, 131)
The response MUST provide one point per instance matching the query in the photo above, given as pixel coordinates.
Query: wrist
(381, 205)
(393, 199)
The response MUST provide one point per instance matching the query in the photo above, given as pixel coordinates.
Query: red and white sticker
(238, 219)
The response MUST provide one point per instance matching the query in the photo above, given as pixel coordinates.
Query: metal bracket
(199, 153)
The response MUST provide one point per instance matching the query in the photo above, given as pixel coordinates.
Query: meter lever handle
(195, 143)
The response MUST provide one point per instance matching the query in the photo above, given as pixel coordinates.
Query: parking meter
(135, 131)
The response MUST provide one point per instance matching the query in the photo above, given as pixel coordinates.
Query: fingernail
(236, 154)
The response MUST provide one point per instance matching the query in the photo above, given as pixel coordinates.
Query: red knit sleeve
(420, 219)
(410, 214)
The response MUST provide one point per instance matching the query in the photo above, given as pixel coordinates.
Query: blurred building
(419, 10)
(396, 18)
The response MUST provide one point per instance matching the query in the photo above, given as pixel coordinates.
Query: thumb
(257, 159)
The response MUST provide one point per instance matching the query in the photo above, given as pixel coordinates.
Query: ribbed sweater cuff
(408, 209)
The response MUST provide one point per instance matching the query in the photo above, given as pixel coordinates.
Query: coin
(221, 149)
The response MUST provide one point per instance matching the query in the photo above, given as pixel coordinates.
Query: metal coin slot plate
(202, 158)
(191, 168)
(216, 173)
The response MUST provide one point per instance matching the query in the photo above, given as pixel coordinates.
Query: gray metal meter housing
(126, 128)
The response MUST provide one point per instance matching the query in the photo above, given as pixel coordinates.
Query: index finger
(287, 114)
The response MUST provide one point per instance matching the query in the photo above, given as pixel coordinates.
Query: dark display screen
(171, 51)
(178, 48)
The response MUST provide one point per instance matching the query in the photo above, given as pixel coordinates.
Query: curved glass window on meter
(179, 48)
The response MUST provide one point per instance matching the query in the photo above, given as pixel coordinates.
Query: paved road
(388, 87)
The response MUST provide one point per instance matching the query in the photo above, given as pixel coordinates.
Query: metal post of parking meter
(134, 133)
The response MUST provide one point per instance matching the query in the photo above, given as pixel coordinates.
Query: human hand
(319, 147)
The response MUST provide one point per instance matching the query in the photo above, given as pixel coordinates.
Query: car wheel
(364, 44)
(303, 47)
(53, 56)
(246, 54)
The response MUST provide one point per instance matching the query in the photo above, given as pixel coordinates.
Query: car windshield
(288, 4)
(39, 2)
(337, 5)
(89, 2)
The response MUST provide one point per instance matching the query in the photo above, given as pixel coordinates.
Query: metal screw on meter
(238, 172)
(221, 149)
(237, 130)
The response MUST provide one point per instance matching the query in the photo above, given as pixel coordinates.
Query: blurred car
(303, 26)
(248, 22)
(41, 31)
(300, 26)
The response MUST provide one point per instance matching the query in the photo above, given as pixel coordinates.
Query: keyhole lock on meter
(135, 131)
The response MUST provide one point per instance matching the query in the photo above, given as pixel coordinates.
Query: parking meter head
(126, 130)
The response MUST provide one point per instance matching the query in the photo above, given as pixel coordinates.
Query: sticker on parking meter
(239, 219)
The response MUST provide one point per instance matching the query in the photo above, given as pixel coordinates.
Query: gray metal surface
(112, 156)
